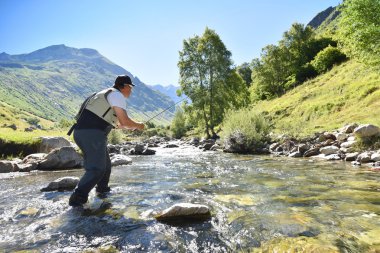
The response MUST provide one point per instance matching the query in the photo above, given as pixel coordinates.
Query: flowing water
(258, 203)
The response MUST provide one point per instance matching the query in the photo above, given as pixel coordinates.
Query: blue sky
(144, 36)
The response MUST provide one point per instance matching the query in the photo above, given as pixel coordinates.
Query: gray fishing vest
(99, 105)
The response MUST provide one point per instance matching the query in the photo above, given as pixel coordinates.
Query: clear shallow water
(259, 204)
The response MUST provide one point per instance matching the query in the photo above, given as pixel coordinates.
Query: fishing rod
(165, 110)
(186, 97)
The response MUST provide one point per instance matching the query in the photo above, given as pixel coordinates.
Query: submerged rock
(120, 160)
(62, 184)
(185, 212)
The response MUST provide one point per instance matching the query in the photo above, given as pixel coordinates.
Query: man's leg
(93, 144)
(102, 186)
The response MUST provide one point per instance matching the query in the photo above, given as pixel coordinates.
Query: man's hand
(140, 126)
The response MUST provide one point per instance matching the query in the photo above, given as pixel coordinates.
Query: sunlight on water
(259, 204)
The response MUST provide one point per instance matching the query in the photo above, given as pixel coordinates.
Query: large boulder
(236, 143)
(49, 143)
(8, 166)
(329, 150)
(365, 131)
(120, 160)
(184, 212)
(62, 184)
(62, 158)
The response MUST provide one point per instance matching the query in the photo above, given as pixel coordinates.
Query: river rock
(347, 129)
(295, 154)
(49, 143)
(375, 157)
(351, 156)
(236, 143)
(341, 137)
(311, 152)
(367, 130)
(364, 157)
(120, 160)
(194, 141)
(34, 158)
(329, 150)
(62, 184)
(347, 144)
(62, 158)
(333, 157)
(171, 146)
(8, 166)
(185, 212)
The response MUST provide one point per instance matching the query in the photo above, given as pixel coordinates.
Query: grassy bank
(348, 93)
(18, 143)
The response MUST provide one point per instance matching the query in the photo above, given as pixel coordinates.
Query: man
(99, 114)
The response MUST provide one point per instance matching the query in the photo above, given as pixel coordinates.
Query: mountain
(52, 82)
(169, 90)
(330, 13)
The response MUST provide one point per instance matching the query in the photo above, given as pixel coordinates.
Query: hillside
(50, 83)
(348, 93)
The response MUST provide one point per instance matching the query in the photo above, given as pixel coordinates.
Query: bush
(178, 126)
(115, 136)
(305, 72)
(326, 58)
(254, 126)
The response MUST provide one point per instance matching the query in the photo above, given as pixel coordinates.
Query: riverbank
(357, 144)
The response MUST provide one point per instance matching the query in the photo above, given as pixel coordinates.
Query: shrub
(254, 126)
(305, 72)
(115, 136)
(326, 58)
(178, 126)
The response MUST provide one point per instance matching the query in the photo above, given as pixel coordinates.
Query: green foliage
(372, 143)
(178, 126)
(326, 58)
(359, 29)
(245, 72)
(207, 77)
(33, 121)
(305, 72)
(253, 125)
(284, 66)
(115, 136)
(65, 124)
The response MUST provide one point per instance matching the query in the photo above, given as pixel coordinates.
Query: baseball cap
(123, 80)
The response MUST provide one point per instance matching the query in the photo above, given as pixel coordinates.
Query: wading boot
(76, 201)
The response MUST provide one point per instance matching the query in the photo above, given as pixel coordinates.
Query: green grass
(346, 94)
(21, 137)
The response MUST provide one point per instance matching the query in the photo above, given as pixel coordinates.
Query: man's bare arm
(125, 121)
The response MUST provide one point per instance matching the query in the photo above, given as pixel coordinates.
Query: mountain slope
(346, 94)
(52, 82)
(169, 90)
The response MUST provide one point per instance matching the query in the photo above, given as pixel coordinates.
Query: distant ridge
(330, 13)
(51, 83)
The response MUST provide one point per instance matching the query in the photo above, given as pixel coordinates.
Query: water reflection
(259, 203)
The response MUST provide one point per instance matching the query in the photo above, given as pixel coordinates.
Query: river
(258, 203)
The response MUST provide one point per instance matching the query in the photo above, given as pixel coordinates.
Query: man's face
(126, 90)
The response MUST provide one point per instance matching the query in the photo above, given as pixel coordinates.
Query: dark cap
(123, 80)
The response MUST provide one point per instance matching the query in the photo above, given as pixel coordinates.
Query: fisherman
(98, 115)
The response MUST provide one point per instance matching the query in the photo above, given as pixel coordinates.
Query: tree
(326, 58)
(205, 68)
(245, 72)
(359, 30)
